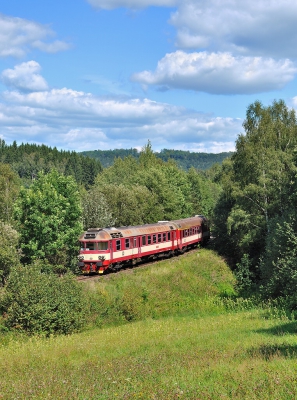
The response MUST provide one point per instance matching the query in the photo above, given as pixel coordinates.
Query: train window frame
(164, 237)
(159, 237)
(102, 246)
(168, 236)
(149, 239)
(127, 243)
(92, 247)
(143, 240)
(134, 242)
(154, 238)
(190, 231)
(118, 245)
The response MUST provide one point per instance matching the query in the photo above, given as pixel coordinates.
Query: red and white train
(114, 248)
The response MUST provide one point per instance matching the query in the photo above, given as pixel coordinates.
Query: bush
(37, 302)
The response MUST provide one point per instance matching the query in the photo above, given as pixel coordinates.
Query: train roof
(138, 230)
(187, 223)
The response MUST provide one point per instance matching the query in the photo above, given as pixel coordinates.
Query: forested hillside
(184, 159)
(29, 159)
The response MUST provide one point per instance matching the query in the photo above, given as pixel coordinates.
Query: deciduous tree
(49, 218)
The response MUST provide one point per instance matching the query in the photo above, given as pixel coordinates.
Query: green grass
(178, 286)
(232, 356)
(167, 331)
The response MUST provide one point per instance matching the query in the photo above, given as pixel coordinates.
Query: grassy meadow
(164, 331)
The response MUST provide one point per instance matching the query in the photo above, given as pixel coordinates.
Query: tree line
(27, 160)
(184, 159)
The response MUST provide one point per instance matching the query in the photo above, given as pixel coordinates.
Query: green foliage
(147, 189)
(36, 302)
(244, 274)
(203, 193)
(184, 159)
(259, 185)
(9, 252)
(279, 264)
(95, 209)
(27, 160)
(178, 286)
(130, 205)
(48, 215)
(9, 189)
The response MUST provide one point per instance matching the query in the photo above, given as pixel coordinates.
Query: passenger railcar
(113, 248)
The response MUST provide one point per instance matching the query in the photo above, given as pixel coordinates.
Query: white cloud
(255, 27)
(134, 4)
(219, 73)
(18, 36)
(25, 77)
(82, 121)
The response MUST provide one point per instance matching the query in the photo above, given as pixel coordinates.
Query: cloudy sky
(109, 74)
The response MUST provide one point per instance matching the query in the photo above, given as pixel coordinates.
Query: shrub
(43, 303)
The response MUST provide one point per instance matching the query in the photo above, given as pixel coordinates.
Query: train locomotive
(114, 248)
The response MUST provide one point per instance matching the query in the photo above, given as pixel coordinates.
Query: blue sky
(107, 74)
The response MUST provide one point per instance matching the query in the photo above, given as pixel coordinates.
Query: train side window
(168, 236)
(154, 238)
(164, 237)
(149, 240)
(127, 243)
(190, 231)
(185, 233)
(118, 245)
(103, 245)
(135, 242)
(159, 237)
(143, 240)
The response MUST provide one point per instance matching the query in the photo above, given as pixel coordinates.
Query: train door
(111, 250)
(136, 246)
(173, 238)
(179, 239)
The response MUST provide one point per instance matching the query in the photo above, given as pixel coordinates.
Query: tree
(263, 170)
(36, 302)
(9, 250)
(203, 193)
(96, 212)
(49, 218)
(9, 189)
(131, 205)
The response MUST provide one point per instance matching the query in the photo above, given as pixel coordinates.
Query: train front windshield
(94, 246)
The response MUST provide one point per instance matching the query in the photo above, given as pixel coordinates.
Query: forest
(48, 197)
(183, 159)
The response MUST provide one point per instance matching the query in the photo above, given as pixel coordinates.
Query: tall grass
(170, 330)
(231, 356)
(178, 286)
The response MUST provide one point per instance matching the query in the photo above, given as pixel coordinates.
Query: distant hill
(27, 160)
(184, 159)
